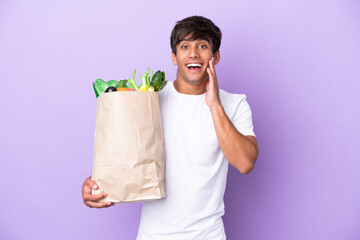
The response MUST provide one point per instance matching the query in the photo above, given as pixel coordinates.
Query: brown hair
(200, 28)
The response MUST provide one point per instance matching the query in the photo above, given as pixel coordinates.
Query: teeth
(194, 65)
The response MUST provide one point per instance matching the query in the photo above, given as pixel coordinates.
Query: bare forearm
(237, 148)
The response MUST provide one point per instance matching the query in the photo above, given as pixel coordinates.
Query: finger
(92, 184)
(98, 204)
(211, 77)
(86, 189)
(210, 64)
(88, 185)
(209, 72)
(212, 68)
(94, 197)
(216, 84)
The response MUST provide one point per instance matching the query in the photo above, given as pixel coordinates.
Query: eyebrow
(188, 40)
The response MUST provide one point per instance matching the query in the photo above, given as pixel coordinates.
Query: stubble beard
(194, 82)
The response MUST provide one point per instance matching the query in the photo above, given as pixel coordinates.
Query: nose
(194, 52)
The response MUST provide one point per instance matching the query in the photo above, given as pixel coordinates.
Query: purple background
(297, 61)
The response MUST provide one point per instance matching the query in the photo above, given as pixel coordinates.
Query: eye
(184, 47)
(202, 46)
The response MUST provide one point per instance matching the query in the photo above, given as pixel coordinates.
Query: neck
(193, 88)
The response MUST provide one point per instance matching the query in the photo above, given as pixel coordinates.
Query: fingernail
(95, 186)
(109, 203)
(105, 194)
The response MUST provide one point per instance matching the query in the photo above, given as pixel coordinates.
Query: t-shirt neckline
(183, 95)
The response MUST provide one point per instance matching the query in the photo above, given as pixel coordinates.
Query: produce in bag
(151, 84)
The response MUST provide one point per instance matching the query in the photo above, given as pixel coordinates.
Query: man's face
(192, 58)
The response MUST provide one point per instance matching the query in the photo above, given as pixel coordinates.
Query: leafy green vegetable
(96, 93)
(158, 81)
(100, 86)
(122, 83)
(112, 83)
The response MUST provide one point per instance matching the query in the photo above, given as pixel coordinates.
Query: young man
(204, 129)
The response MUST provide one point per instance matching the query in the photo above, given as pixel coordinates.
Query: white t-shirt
(195, 168)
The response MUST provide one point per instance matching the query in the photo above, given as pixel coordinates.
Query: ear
(217, 57)
(173, 56)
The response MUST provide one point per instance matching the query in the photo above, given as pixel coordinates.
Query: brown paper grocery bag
(129, 148)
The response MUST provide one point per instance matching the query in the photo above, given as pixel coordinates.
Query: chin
(193, 80)
(196, 81)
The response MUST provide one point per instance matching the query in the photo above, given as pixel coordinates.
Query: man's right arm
(90, 200)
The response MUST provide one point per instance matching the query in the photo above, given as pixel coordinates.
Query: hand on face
(212, 97)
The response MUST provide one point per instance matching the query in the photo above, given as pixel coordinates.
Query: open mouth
(194, 66)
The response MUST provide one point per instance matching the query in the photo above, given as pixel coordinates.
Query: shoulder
(234, 104)
(231, 100)
(238, 111)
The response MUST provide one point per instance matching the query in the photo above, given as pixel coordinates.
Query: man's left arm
(241, 151)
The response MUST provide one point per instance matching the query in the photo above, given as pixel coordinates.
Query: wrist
(216, 108)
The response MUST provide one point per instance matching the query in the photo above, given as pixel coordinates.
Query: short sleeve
(242, 118)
